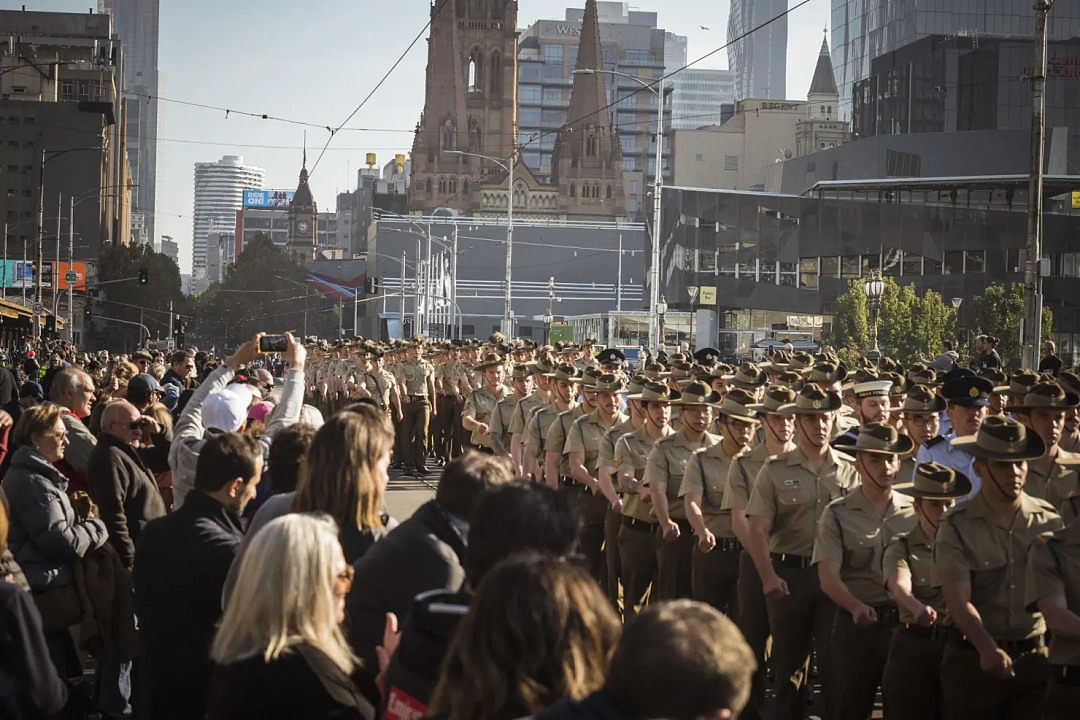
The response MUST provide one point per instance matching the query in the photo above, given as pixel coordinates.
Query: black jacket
(597, 706)
(304, 683)
(181, 562)
(423, 553)
(9, 391)
(425, 637)
(29, 684)
(125, 491)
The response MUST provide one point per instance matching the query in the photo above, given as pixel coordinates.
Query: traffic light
(50, 323)
(178, 327)
(86, 311)
(144, 276)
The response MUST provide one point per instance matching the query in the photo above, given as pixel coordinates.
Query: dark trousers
(637, 556)
(459, 436)
(592, 515)
(673, 564)
(800, 622)
(399, 435)
(443, 426)
(911, 687)
(859, 655)
(612, 523)
(715, 577)
(971, 694)
(415, 443)
(1062, 701)
(754, 624)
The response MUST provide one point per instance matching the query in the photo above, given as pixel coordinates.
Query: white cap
(873, 388)
(225, 410)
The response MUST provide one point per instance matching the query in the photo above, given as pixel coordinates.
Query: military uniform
(519, 421)
(383, 388)
(613, 517)
(973, 547)
(792, 497)
(413, 376)
(715, 574)
(443, 430)
(852, 533)
(666, 466)
(501, 418)
(1056, 483)
(482, 404)
(637, 536)
(535, 436)
(555, 444)
(584, 437)
(940, 450)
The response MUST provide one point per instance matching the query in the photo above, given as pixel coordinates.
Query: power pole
(1032, 327)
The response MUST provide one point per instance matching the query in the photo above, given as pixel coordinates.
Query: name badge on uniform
(791, 483)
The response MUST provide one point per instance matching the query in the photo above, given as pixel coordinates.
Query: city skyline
(202, 62)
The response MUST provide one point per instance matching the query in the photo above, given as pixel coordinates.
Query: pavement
(404, 494)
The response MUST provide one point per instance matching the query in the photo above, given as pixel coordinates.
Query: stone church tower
(821, 128)
(587, 166)
(302, 240)
(470, 103)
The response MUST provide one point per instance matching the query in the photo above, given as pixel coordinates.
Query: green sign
(70, 276)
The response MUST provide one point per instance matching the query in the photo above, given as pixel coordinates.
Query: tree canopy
(121, 296)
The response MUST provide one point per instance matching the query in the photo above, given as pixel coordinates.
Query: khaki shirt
(906, 473)
(972, 546)
(1057, 484)
(500, 419)
(792, 497)
(585, 435)
(913, 553)
(1070, 442)
(606, 457)
(380, 385)
(1053, 568)
(523, 412)
(707, 475)
(482, 402)
(414, 374)
(852, 533)
(741, 475)
(667, 465)
(558, 432)
(633, 450)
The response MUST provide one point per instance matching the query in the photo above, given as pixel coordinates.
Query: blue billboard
(268, 198)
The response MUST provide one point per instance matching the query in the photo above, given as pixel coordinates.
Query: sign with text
(18, 274)
(268, 198)
(707, 296)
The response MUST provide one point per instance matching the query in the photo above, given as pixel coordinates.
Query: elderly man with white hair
(218, 407)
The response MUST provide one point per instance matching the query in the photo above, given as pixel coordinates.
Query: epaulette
(1044, 505)
(666, 438)
(845, 457)
(934, 441)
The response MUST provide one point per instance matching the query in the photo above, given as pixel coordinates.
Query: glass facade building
(863, 30)
(757, 52)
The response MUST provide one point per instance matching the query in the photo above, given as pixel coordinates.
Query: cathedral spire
(588, 94)
(824, 82)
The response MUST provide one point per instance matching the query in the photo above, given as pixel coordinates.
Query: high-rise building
(758, 52)
(860, 35)
(699, 97)
(219, 193)
(135, 22)
(170, 249)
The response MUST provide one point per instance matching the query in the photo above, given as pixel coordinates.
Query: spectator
(947, 361)
(283, 465)
(344, 475)
(120, 481)
(539, 629)
(181, 562)
(280, 652)
(227, 411)
(73, 391)
(989, 357)
(1050, 362)
(143, 391)
(30, 394)
(142, 360)
(678, 659)
(56, 366)
(29, 684)
(156, 454)
(7, 386)
(181, 370)
(509, 519)
(423, 553)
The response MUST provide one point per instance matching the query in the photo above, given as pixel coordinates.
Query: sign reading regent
(780, 106)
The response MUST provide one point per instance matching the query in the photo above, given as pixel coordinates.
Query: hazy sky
(315, 60)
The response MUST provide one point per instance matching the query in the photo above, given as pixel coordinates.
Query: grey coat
(44, 536)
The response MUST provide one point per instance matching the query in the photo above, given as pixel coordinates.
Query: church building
(302, 241)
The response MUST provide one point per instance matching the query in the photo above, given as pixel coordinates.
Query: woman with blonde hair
(539, 629)
(279, 651)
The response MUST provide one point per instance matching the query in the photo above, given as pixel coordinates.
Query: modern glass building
(758, 51)
(863, 30)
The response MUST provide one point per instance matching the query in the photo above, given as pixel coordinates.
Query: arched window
(453, 185)
(448, 136)
(476, 70)
(496, 74)
(427, 186)
(596, 190)
(590, 146)
(828, 109)
(822, 109)
(475, 138)
(497, 9)
(442, 186)
(573, 190)
(466, 185)
(608, 192)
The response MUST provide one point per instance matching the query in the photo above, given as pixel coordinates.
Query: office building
(59, 101)
(274, 222)
(170, 249)
(757, 53)
(135, 23)
(700, 96)
(862, 32)
(219, 193)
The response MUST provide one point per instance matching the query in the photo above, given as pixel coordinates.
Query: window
(808, 273)
(849, 267)
(553, 73)
(553, 96)
(553, 52)
(608, 192)
(698, 157)
(870, 263)
(573, 190)
(931, 266)
(788, 274)
(468, 330)
(954, 262)
(975, 261)
(476, 70)
(495, 74)
(912, 264)
(1012, 260)
(529, 72)
(830, 266)
(551, 118)
(1070, 265)
(731, 163)
(529, 94)
(528, 117)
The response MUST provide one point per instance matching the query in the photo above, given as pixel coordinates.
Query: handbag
(59, 607)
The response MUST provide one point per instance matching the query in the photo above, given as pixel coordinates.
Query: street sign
(38, 309)
(70, 276)
(708, 296)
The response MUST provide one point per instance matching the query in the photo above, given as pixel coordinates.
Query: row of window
(14, 120)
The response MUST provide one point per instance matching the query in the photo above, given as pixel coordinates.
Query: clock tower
(302, 243)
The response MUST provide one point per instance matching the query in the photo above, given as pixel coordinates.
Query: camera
(273, 344)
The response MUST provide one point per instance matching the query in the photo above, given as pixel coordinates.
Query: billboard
(268, 198)
(18, 274)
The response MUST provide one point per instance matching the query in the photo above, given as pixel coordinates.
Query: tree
(999, 311)
(849, 328)
(122, 297)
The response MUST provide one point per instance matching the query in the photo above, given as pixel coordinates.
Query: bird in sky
(704, 28)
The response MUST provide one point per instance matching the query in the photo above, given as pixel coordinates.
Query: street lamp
(508, 166)
(655, 333)
(873, 288)
(661, 310)
(548, 317)
(956, 302)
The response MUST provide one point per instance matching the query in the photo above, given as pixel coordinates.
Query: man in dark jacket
(181, 370)
(423, 553)
(509, 519)
(181, 562)
(120, 482)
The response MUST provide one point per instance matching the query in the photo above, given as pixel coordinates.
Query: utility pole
(1032, 327)
(401, 315)
(416, 276)
(508, 322)
(71, 268)
(171, 323)
(453, 279)
(655, 327)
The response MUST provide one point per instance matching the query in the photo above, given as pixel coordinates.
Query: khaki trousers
(637, 556)
(911, 687)
(674, 561)
(612, 524)
(715, 577)
(971, 694)
(592, 514)
(753, 621)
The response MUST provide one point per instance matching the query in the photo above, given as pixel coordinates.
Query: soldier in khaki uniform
(480, 403)
(715, 565)
(521, 382)
(995, 662)
(778, 431)
(664, 474)
(582, 448)
(911, 686)
(442, 430)
(524, 463)
(789, 495)
(1052, 477)
(382, 386)
(564, 381)
(416, 382)
(852, 535)
(1070, 437)
(556, 463)
(922, 411)
(637, 537)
